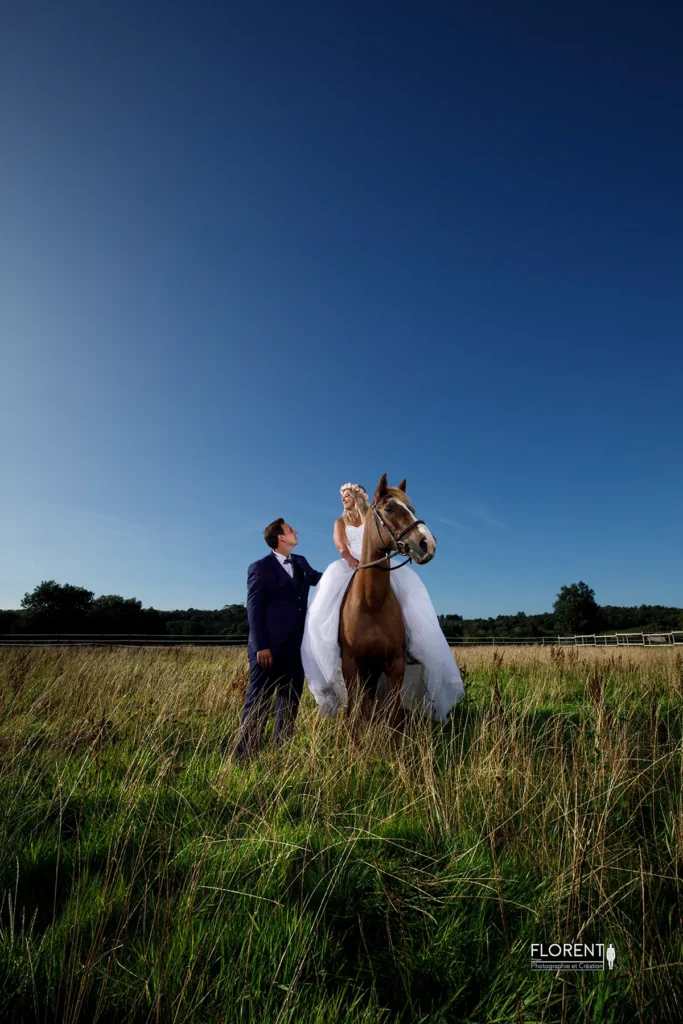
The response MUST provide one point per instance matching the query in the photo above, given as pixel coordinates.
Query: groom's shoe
(243, 750)
(249, 736)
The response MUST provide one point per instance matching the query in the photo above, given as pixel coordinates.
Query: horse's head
(398, 526)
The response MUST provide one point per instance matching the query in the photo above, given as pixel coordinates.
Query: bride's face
(348, 501)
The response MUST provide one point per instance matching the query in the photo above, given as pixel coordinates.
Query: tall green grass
(144, 876)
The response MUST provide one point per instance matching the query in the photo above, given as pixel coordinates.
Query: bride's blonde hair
(361, 499)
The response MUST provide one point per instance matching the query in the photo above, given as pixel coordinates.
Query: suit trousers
(285, 680)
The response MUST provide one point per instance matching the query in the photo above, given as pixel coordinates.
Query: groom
(277, 599)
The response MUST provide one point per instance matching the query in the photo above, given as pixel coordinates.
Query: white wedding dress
(442, 685)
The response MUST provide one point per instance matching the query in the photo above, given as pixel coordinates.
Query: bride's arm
(341, 543)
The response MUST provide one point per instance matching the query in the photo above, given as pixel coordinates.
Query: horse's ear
(402, 485)
(381, 487)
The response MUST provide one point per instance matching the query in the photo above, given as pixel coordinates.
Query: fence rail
(674, 637)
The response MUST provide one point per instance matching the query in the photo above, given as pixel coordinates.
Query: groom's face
(288, 535)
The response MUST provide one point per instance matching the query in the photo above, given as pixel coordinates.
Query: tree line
(575, 612)
(62, 608)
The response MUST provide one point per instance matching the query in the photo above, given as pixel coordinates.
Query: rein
(399, 546)
(384, 568)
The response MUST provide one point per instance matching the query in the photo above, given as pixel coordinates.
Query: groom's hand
(265, 658)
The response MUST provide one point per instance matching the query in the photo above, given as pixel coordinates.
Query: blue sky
(252, 251)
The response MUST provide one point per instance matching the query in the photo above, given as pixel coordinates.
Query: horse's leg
(369, 682)
(352, 682)
(395, 671)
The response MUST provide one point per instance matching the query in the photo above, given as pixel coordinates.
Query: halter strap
(397, 538)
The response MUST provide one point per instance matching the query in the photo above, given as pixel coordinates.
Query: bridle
(397, 539)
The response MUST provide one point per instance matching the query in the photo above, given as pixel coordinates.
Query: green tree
(10, 622)
(231, 620)
(56, 607)
(62, 608)
(111, 613)
(575, 610)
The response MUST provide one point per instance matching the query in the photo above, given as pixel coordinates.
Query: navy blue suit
(276, 607)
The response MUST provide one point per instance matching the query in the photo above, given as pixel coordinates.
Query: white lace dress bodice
(321, 654)
(354, 537)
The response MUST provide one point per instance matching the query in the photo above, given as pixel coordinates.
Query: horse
(371, 630)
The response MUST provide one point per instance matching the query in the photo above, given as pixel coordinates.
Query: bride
(320, 651)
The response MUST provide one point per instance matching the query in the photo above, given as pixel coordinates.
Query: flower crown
(357, 488)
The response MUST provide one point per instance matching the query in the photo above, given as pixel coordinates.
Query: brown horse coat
(371, 629)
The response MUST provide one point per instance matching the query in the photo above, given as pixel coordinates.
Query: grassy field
(146, 877)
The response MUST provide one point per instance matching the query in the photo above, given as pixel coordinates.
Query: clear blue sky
(250, 251)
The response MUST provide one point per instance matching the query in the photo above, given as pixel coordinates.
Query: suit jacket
(276, 602)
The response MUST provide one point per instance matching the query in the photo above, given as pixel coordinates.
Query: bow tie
(287, 561)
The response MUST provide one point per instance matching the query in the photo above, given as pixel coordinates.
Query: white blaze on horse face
(427, 534)
(431, 543)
